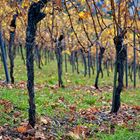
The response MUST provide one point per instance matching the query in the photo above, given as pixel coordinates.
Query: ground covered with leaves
(87, 123)
(76, 112)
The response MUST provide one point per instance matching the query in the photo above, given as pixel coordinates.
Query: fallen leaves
(100, 120)
(72, 136)
(8, 107)
(1, 129)
(16, 114)
(72, 108)
(78, 133)
(45, 120)
(40, 136)
(137, 108)
(82, 131)
(24, 128)
(90, 89)
(89, 113)
(75, 124)
(20, 85)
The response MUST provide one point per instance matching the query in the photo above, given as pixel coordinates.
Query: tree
(99, 67)
(11, 43)
(34, 17)
(58, 51)
(119, 69)
(120, 28)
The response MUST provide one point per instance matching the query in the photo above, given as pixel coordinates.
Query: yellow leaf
(66, 52)
(83, 15)
(25, 4)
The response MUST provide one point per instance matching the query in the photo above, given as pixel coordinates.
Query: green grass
(121, 134)
(48, 100)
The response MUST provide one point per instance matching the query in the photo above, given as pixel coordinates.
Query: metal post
(4, 58)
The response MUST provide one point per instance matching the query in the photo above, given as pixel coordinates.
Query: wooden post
(114, 86)
(97, 67)
(89, 61)
(126, 68)
(66, 67)
(134, 66)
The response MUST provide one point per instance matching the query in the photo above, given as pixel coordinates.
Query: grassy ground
(56, 102)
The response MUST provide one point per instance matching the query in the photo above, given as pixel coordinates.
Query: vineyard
(70, 70)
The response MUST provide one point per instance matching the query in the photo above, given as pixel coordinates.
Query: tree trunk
(85, 62)
(77, 63)
(34, 16)
(58, 51)
(21, 51)
(119, 69)
(107, 67)
(66, 66)
(99, 69)
(73, 61)
(92, 64)
(45, 55)
(11, 48)
(38, 56)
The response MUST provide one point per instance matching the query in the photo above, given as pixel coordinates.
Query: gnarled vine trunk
(58, 51)
(11, 48)
(99, 69)
(34, 16)
(119, 69)
(84, 61)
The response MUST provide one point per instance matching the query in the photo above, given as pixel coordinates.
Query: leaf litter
(77, 125)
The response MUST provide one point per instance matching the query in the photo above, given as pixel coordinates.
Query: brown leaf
(71, 119)
(7, 105)
(80, 131)
(23, 128)
(72, 136)
(45, 120)
(17, 114)
(40, 135)
(61, 99)
(10, 86)
(137, 108)
(72, 108)
(6, 138)
(1, 129)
